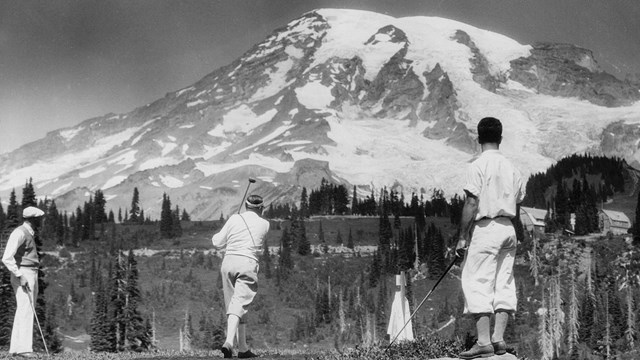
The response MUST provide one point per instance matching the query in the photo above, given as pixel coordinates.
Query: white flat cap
(31, 212)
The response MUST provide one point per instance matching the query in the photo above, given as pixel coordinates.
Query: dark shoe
(246, 354)
(226, 352)
(500, 347)
(477, 351)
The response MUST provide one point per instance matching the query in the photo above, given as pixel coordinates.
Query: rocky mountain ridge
(352, 96)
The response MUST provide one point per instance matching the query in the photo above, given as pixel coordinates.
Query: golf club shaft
(245, 194)
(422, 302)
(33, 308)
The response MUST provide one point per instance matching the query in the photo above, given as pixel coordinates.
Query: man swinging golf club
(21, 258)
(493, 189)
(241, 239)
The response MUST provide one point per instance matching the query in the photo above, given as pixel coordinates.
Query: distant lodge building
(612, 221)
(533, 219)
(615, 222)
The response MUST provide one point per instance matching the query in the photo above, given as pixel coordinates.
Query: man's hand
(24, 284)
(461, 249)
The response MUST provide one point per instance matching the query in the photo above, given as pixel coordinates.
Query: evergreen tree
(120, 215)
(8, 306)
(14, 214)
(3, 217)
(135, 206)
(28, 195)
(304, 204)
(299, 236)
(102, 329)
(177, 227)
(350, 243)
(354, 202)
(320, 233)
(111, 218)
(137, 336)
(285, 264)
(185, 215)
(636, 225)
(99, 203)
(166, 218)
(339, 238)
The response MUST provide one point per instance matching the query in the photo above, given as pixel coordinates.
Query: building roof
(535, 215)
(617, 216)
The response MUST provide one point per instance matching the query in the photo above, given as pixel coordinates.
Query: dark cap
(254, 202)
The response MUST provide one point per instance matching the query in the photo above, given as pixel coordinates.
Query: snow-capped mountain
(355, 97)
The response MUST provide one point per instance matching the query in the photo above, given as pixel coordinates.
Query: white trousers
(239, 283)
(487, 273)
(22, 332)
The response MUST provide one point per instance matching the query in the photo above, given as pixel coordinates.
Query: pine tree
(137, 336)
(8, 306)
(177, 227)
(99, 203)
(185, 215)
(166, 218)
(14, 214)
(102, 329)
(304, 204)
(636, 228)
(266, 259)
(354, 202)
(3, 218)
(135, 206)
(350, 243)
(285, 264)
(320, 233)
(28, 195)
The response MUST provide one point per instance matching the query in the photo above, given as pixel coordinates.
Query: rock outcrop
(570, 71)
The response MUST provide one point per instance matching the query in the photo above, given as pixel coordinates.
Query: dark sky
(64, 61)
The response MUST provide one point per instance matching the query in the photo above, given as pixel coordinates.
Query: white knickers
(487, 272)
(239, 283)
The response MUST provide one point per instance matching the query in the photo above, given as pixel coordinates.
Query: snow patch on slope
(241, 120)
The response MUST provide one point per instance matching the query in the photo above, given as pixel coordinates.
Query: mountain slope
(353, 96)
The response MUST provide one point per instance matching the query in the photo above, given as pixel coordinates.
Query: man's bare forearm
(469, 211)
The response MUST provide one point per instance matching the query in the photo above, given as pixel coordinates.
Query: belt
(29, 265)
(497, 217)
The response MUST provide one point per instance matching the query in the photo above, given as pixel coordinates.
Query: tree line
(334, 199)
(575, 185)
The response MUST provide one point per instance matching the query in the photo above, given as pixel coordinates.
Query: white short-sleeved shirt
(496, 183)
(243, 234)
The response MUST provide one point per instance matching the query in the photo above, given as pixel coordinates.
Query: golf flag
(400, 312)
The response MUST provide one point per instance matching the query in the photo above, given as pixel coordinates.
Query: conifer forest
(118, 281)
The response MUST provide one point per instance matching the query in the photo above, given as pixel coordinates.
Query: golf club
(425, 299)
(251, 181)
(27, 290)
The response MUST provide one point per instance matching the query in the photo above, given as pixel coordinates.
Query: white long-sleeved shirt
(240, 237)
(17, 239)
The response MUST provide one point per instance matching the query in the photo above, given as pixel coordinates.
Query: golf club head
(252, 180)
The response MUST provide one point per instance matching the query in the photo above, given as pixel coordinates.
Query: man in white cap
(21, 258)
(241, 239)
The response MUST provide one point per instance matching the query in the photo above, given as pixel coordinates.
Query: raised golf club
(251, 181)
(28, 290)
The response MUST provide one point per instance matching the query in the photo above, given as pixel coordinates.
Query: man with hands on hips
(21, 259)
